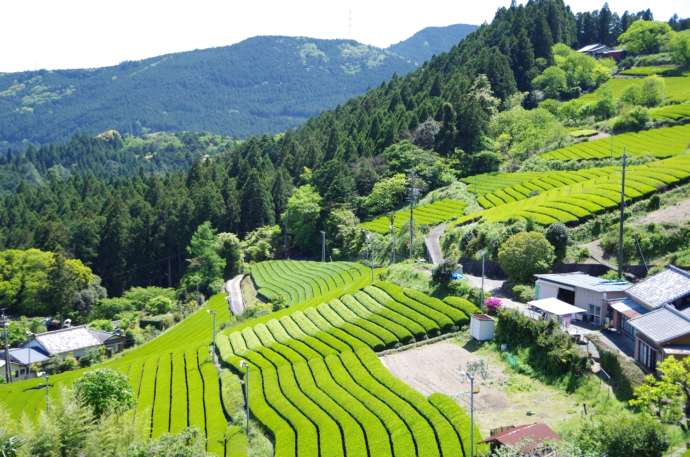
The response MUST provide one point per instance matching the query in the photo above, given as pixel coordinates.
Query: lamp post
(44, 374)
(28, 349)
(213, 317)
(481, 294)
(323, 246)
(245, 365)
(5, 324)
(470, 377)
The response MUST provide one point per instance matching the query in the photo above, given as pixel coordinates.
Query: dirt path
(678, 212)
(234, 291)
(433, 244)
(504, 398)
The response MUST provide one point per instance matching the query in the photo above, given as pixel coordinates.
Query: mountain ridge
(264, 84)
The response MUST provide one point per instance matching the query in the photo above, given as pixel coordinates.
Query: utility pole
(470, 377)
(285, 234)
(245, 365)
(413, 198)
(6, 330)
(391, 219)
(481, 293)
(620, 230)
(323, 246)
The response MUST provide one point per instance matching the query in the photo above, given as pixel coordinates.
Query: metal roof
(23, 356)
(664, 287)
(585, 281)
(663, 324)
(629, 307)
(526, 437)
(68, 340)
(555, 306)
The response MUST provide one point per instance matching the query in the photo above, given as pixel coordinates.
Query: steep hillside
(430, 41)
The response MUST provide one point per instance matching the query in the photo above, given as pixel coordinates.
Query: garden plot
(504, 398)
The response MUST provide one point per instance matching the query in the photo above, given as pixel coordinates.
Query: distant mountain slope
(261, 85)
(424, 44)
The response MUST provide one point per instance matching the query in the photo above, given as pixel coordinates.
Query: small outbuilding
(555, 309)
(482, 327)
(526, 439)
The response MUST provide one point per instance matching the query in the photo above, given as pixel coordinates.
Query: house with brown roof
(527, 439)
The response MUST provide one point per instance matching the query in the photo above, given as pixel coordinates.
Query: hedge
(463, 305)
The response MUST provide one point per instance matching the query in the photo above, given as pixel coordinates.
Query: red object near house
(525, 438)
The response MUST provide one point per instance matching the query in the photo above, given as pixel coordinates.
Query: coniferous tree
(445, 139)
(256, 206)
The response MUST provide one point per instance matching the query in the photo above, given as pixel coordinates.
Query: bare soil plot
(676, 213)
(504, 398)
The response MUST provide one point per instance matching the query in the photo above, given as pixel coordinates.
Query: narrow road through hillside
(234, 290)
(433, 244)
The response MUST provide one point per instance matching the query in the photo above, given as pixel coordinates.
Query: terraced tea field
(659, 143)
(680, 112)
(317, 385)
(300, 281)
(572, 202)
(430, 214)
(172, 377)
(677, 88)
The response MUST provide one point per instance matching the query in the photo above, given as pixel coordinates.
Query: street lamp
(30, 335)
(245, 365)
(44, 374)
(213, 316)
(470, 376)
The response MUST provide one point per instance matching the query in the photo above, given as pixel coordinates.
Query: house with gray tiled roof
(75, 341)
(21, 360)
(656, 315)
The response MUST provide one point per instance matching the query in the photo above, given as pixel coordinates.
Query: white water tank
(482, 327)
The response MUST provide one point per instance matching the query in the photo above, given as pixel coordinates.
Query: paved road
(234, 291)
(433, 244)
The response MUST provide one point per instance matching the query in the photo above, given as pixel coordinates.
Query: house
(76, 341)
(598, 50)
(21, 360)
(525, 438)
(655, 314)
(589, 293)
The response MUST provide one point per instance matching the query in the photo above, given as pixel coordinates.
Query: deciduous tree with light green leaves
(668, 396)
(205, 269)
(645, 37)
(387, 195)
(680, 49)
(525, 254)
(104, 391)
(301, 217)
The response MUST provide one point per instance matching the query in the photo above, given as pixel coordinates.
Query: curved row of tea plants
(659, 143)
(298, 281)
(573, 202)
(429, 214)
(506, 188)
(680, 112)
(346, 402)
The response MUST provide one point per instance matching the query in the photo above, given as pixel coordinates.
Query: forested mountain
(265, 84)
(430, 41)
(128, 228)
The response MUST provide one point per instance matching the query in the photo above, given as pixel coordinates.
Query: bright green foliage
(581, 71)
(261, 243)
(552, 81)
(677, 89)
(230, 249)
(105, 391)
(430, 214)
(205, 271)
(622, 435)
(525, 254)
(216, 424)
(299, 281)
(658, 143)
(460, 421)
(645, 37)
(648, 70)
(387, 194)
(520, 132)
(678, 112)
(668, 397)
(345, 402)
(26, 286)
(303, 209)
(651, 93)
(680, 49)
(463, 305)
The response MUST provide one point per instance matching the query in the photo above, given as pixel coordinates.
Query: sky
(55, 34)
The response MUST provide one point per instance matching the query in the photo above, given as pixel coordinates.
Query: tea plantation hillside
(317, 385)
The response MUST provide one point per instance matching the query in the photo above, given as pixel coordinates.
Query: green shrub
(443, 272)
(523, 292)
(625, 374)
(526, 254)
(463, 305)
(634, 120)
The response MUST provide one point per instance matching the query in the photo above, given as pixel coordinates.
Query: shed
(524, 438)
(482, 327)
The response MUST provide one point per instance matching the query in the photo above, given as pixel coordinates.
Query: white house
(586, 292)
(76, 341)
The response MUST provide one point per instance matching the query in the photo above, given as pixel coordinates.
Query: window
(595, 313)
(646, 355)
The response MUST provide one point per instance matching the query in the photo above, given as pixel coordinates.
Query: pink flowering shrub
(492, 304)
